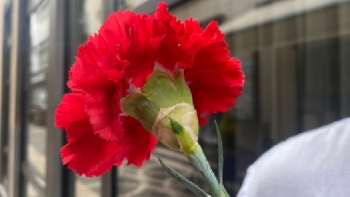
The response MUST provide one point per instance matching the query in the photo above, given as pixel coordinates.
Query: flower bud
(163, 97)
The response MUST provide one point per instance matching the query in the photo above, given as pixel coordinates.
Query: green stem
(199, 160)
(193, 151)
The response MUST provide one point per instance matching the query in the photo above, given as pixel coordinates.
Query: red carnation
(136, 68)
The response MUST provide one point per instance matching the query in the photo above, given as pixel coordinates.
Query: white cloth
(311, 164)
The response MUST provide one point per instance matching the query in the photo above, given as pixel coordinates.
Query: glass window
(320, 92)
(132, 4)
(32, 191)
(36, 147)
(37, 98)
(152, 181)
(297, 72)
(92, 16)
(87, 187)
(39, 57)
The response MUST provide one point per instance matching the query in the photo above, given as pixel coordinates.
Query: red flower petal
(78, 129)
(102, 106)
(215, 79)
(92, 155)
(115, 28)
(142, 141)
(70, 110)
(71, 116)
(211, 104)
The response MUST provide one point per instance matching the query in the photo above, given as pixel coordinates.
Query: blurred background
(295, 55)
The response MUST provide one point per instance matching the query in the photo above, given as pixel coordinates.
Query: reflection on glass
(87, 187)
(132, 4)
(320, 94)
(92, 16)
(39, 57)
(32, 191)
(36, 152)
(37, 95)
(39, 34)
(152, 181)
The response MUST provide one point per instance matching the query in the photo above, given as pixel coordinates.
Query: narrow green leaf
(188, 184)
(221, 153)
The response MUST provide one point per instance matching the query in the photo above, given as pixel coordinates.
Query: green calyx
(163, 97)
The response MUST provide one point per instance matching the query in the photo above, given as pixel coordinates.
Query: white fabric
(311, 164)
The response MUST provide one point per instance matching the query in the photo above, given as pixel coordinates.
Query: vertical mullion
(24, 40)
(59, 181)
(5, 98)
(14, 134)
(115, 181)
(18, 60)
(109, 183)
(2, 47)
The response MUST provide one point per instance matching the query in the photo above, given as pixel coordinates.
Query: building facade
(295, 55)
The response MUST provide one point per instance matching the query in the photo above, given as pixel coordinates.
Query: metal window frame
(18, 60)
(59, 181)
(5, 23)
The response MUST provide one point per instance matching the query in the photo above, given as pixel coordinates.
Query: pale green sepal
(166, 90)
(187, 183)
(163, 95)
(141, 108)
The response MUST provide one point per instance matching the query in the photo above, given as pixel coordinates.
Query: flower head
(134, 73)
